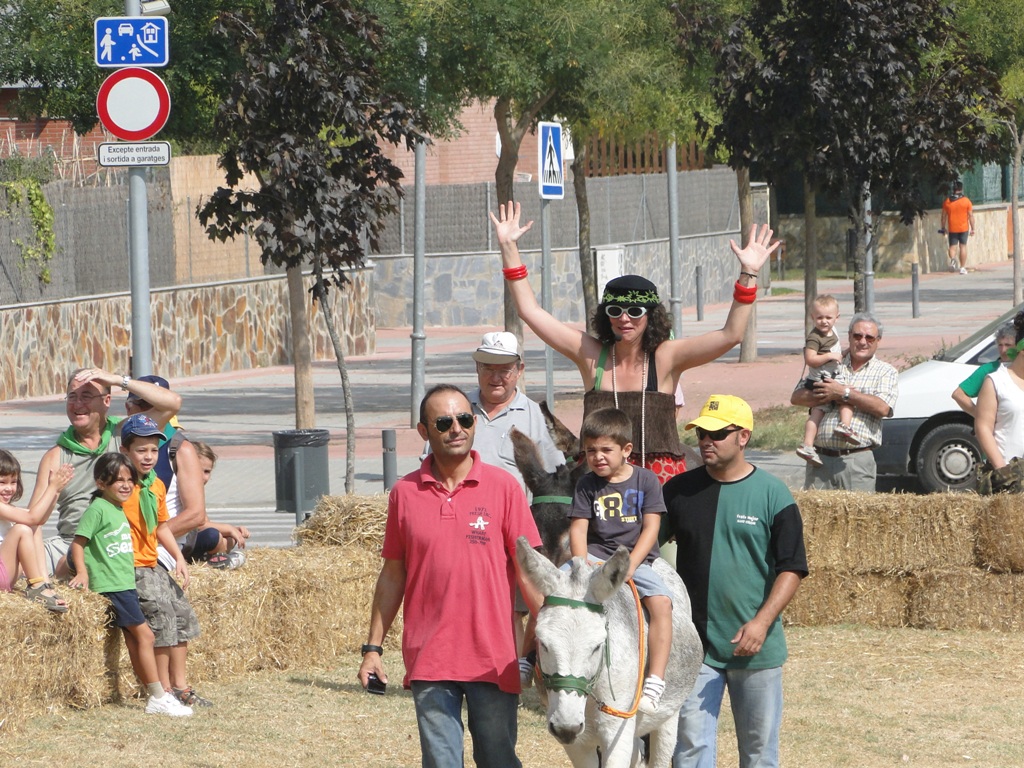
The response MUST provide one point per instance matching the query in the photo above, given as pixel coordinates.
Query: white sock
(156, 690)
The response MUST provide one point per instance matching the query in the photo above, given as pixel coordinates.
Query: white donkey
(588, 652)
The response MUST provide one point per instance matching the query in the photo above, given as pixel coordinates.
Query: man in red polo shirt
(449, 552)
(958, 223)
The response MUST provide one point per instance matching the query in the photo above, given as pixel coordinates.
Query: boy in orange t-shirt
(163, 601)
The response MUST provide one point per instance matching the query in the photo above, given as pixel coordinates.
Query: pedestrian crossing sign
(549, 161)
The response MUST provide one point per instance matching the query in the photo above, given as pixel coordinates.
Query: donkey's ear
(527, 459)
(609, 577)
(561, 435)
(537, 569)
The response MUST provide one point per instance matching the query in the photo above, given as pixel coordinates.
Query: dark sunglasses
(444, 423)
(613, 311)
(718, 434)
(866, 336)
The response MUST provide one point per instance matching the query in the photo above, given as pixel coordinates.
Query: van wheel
(947, 459)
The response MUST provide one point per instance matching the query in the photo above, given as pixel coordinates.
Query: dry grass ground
(856, 697)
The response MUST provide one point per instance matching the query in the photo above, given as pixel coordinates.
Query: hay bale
(51, 660)
(828, 596)
(1001, 534)
(346, 520)
(284, 608)
(889, 533)
(968, 598)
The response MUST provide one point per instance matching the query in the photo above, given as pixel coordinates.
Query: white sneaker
(654, 687)
(168, 705)
(809, 454)
(963, 270)
(236, 557)
(953, 264)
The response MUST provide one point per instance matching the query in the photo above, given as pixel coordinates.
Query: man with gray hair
(871, 389)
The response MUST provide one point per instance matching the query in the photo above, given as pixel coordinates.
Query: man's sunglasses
(718, 434)
(864, 336)
(614, 311)
(443, 423)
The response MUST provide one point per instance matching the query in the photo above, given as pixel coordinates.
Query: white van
(928, 435)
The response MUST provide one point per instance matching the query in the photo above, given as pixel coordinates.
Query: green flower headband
(631, 298)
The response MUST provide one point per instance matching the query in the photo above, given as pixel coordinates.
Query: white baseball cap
(498, 347)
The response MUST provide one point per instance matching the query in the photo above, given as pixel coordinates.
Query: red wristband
(515, 273)
(744, 294)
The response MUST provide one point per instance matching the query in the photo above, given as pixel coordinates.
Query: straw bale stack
(1001, 534)
(888, 533)
(968, 598)
(296, 608)
(344, 520)
(828, 596)
(51, 660)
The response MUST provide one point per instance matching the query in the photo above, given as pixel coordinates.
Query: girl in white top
(21, 549)
(999, 421)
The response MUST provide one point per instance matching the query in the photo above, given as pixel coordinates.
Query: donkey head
(552, 496)
(572, 631)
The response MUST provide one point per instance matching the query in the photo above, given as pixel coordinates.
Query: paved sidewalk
(238, 412)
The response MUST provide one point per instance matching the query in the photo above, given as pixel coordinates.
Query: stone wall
(197, 330)
(900, 246)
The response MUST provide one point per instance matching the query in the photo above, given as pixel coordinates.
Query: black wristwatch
(372, 649)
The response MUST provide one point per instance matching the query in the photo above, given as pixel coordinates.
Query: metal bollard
(699, 281)
(915, 290)
(390, 457)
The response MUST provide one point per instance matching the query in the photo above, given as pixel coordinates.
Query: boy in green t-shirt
(104, 561)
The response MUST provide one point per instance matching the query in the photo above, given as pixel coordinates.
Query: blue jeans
(492, 723)
(756, 696)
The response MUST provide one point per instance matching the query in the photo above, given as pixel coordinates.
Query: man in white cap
(740, 553)
(499, 405)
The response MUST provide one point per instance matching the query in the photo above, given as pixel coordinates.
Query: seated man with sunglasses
(740, 553)
(871, 389)
(449, 556)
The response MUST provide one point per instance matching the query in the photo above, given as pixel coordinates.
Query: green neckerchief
(147, 501)
(69, 441)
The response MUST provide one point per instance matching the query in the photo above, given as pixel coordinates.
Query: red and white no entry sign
(133, 104)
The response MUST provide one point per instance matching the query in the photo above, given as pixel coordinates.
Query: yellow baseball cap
(721, 411)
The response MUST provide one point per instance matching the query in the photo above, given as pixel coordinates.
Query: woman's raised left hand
(759, 248)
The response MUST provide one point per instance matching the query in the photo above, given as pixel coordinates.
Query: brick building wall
(76, 155)
(469, 158)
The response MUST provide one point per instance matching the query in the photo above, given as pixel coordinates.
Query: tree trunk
(579, 185)
(1018, 151)
(504, 184)
(857, 217)
(320, 294)
(748, 347)
(810, 251)
(302, 355)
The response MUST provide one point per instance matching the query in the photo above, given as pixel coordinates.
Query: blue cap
(141, 425)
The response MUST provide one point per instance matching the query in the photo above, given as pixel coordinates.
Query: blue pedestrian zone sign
(131, 41)
(549, 161)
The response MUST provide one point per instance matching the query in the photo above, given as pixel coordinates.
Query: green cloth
(70, 441)
(972, 384)
(147, 501)
(109, 558)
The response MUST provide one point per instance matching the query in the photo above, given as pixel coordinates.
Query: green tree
(995, 29)
(48, 44)
(865, 97)
(305, 116)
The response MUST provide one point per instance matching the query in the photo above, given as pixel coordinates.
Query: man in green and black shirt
(740, 552)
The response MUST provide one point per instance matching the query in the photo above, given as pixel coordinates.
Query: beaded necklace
(643, 405)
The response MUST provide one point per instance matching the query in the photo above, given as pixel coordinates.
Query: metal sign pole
(138, 233)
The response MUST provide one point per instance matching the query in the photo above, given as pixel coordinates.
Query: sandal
(52, 602)
(218, 560)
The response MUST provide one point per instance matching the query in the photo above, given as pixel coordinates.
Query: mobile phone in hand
(375, 685)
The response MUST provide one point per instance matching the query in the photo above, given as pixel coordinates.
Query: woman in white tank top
(999, 422)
